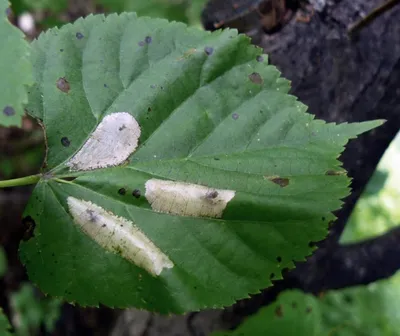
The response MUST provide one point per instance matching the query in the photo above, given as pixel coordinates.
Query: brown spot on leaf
(335, 172)
(136, 193)
(63, 85)
(65, 142)
(29, 226)
(281, 181)
(256, 78)
(8, 111)
(279, 311)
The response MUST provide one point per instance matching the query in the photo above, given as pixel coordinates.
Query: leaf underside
(213, 113)
(15, 70)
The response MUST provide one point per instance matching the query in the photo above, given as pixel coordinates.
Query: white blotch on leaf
(186, 199)
(118, 235)
(112, 142)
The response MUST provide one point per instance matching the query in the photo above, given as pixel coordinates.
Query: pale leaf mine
(186, 199)
(118, 235)
(112, 142)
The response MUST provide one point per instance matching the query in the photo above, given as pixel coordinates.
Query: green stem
(22, 181)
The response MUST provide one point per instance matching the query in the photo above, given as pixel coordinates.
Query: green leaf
(377, 210)
(4, 324)
(173, 10)
(365, 310)
(230, 181)
(56, 6)
(16, 72)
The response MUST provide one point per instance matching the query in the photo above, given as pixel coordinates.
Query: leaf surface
(16, 71)
(228, 184)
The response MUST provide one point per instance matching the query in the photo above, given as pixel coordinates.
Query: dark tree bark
(341, 80)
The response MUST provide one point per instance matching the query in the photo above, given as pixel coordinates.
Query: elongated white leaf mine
(186, 199)
(119, 235)
(112, 142)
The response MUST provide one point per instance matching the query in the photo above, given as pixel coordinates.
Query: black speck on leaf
(136, 193)
(122, 128)
(256, 78)
(260, 58)
(308, 310)
(311, 244)
(8, 111)
(63, 85)
(271, 276)
(122, 191)
(216, 159)
(141, 43)
(29, 226)
(79, 35)
(149, 109)
(323, 218)
(61, 50)
(148, 39)
(208, 51)
(212, 194)
(279, 259)
(235, 116)
(105, 85)
(65, 141)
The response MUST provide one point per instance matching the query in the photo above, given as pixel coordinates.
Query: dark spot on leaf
(235, 116)
(79, 36)
(259, 58)
(65, 142)
(122, 191)
(105, 85)
(335, 172)
(311, 244)
(281, 181)
(271, 276)
(323, 218)
(162, 87)
(348, 299)
(149, 109)
(294, 305)
(104, 225)
(61, 50)
(308, 310)
(63, 85)
(136, 193)
(141, 43)
(279, 259)
(92, 215)
(279, 311)
(29, 226)
(122, 128)
(148, 39)
(208, 50)
(152, 86)
(256, 78)
(8, 111)
(212, 194)
(216, 159)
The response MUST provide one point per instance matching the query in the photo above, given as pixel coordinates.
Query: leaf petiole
(22, 181)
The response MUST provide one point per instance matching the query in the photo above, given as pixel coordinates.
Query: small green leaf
(377, 210)
(4, 324)
(173, 10)
(228, 182)
(364, 310)
(16, 72)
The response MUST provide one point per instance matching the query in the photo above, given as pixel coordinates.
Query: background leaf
(4, 324)
(371, 310)
(211, 113)
(378, 209)
(16, 72)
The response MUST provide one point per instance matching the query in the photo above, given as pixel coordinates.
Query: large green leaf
(15, 70)
(371, 310)
(214, 117)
